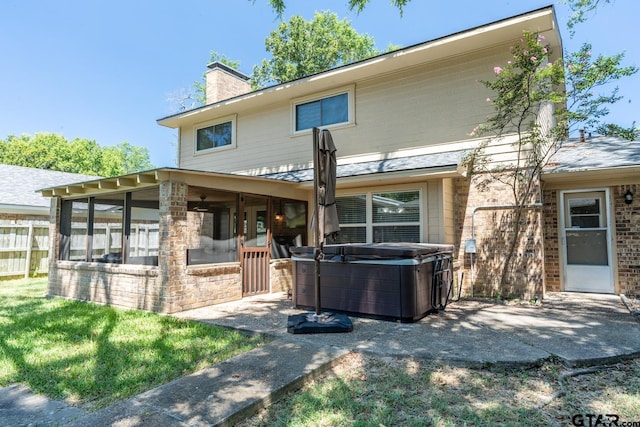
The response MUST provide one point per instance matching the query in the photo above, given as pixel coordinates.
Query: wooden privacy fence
(24, 248)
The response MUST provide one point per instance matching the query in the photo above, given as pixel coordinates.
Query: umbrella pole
(308, 323)
(316, 220)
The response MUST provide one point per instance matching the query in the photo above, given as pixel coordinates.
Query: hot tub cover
(374, 251)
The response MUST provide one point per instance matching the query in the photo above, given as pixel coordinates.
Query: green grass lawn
(374, 391)
(92, 355)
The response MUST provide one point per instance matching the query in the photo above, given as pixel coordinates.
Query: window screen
(219, 135)
(379, 217)
(323, 112)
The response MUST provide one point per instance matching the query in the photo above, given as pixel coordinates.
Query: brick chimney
(223, 82)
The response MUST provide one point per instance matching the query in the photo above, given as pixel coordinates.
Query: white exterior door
(585, 239)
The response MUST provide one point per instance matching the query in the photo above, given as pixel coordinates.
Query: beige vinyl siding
(424, 106)
(433, 212)
(439, 224)
(448, 211)
(262, 139)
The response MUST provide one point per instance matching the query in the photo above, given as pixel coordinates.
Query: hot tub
(394, 281)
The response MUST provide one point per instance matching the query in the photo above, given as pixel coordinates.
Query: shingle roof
(424, 161)
(19, 185)
(599, 152)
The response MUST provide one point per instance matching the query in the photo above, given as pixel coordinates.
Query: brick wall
(210, 284)
(551, 242)
(281, 275)
(193, 286)
(223, 83)
(198, 224)
(493, 230)
(130, 286)
(627, 232)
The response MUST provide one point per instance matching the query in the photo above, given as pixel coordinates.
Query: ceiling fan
(201, 206)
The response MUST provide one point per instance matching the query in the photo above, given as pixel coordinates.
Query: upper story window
(335, 108)
(215, 135)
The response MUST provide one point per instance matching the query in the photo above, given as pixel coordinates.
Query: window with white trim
(325, 110)
(215, 135)
(392, 216)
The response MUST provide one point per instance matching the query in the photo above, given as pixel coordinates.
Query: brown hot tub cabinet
(402, 282)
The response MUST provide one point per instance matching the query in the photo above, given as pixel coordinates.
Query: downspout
(473, 233)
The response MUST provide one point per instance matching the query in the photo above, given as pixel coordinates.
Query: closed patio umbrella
(325, 223)
(325, 186)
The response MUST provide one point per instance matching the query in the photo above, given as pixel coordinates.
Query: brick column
(627, 244)
(551, 242)
(172, 254)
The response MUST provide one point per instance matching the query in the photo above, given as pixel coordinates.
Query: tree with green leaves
(587, 104)
(579, 8)
(524, 88)
(279, 6)
(55, 152)
(301, 48)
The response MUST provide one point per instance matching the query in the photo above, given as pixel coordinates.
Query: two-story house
(401, 122)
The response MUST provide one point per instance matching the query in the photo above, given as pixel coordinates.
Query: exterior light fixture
(628, 197)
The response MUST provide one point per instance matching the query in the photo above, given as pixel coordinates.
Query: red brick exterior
(492, 224)
(627, 232)
(626, 241)
(551, 242)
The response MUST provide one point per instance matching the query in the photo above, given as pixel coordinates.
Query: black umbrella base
(324, 323)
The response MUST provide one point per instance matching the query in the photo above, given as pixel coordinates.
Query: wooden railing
(255, 271)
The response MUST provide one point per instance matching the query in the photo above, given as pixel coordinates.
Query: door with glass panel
(255, 244)
(585, 241)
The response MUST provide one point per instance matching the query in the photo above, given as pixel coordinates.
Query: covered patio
(169, 240)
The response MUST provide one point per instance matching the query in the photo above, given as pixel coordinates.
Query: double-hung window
(393, 216)
(215, 135)
(334, 108)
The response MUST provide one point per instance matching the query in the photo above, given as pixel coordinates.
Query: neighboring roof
(470, 40)
(19, 186)
(599, 152)
(449, 159)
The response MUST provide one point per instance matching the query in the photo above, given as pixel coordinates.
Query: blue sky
(107, 70)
